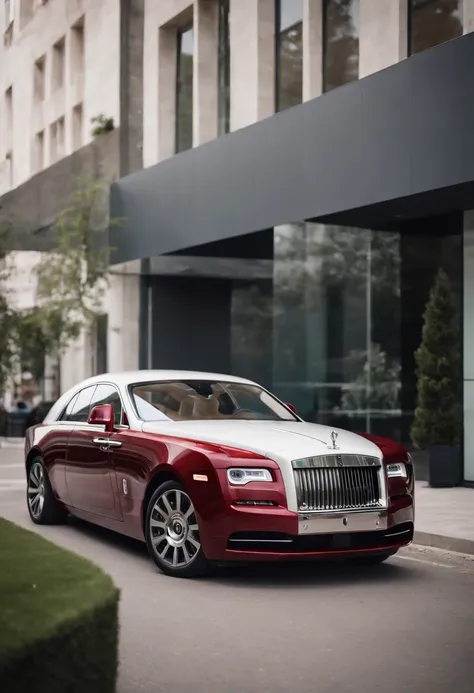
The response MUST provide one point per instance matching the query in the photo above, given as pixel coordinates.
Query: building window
(8, 132)
(184, 91)
(432, 22)
(57, 140)
(39, 151)
(59, 50)
(9, 13)
(77, 127)
(224, 68)
(77, 49)
(39, 79)
(340, 43)
(289, 53)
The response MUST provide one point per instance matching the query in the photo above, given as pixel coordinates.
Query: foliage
(58, 618)
(376, 384)
(72, 279)
(437, 419)
(103, 125)
(8, 316)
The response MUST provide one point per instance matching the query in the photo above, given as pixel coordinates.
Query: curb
(438, 541)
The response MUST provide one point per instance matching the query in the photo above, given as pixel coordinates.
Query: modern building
(63, 64)
(308, 169)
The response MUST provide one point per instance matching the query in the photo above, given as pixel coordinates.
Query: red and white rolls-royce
(211, 468)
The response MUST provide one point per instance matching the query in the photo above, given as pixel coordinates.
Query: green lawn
(57, 610)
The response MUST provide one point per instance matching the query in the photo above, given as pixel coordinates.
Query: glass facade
(224, 68)
(184, 90)
(432, 22)
(340, 42)
(336, 327)
(468, 366)
(289, 53)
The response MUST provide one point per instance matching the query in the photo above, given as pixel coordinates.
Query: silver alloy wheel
(36, 489)
(174, 532)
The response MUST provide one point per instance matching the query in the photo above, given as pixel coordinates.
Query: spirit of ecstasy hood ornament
(334, 437)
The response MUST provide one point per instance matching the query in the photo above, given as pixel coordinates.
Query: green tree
(73, 277)
(437, 419)
(8, 316)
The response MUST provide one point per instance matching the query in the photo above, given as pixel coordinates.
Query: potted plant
(437, 421)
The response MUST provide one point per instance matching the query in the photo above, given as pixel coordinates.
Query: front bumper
(263, 534)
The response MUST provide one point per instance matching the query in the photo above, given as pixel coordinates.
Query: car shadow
(314, 573)
(310, 573)
(109, 537)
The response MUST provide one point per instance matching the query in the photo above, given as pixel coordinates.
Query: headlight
(397, 470)
(239, 476)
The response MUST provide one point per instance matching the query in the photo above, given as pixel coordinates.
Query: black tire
(173, 534)
(373, 560)
(49, 512)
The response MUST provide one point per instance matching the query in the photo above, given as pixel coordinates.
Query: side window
(81, 407)
(66, 415)
(107, 394)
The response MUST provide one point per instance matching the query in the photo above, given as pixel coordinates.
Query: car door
(54, 444)
(92, 486)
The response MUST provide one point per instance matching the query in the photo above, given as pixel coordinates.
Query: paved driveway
(407, 625)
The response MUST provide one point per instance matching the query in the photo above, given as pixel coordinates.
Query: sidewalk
(444, 517)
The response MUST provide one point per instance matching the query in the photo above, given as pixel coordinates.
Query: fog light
(256, 502)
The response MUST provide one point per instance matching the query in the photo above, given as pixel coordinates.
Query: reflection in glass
(336, 354)
(433, 22)
(289, 53)
(340, 43)
(184, 91)
(224, 67)
(336, 328)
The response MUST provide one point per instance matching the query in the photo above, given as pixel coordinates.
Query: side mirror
(292, 407)
(103, 415)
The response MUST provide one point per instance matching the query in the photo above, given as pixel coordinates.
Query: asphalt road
(407, 625)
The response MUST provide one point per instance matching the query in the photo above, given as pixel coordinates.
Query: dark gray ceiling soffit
(400, 132)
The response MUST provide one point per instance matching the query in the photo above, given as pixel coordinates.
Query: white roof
(124, 378)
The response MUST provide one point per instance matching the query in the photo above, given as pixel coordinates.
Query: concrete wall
(32, 206)
(95, 86)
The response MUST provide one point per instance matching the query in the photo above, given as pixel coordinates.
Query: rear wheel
(172, 533)
(43, 507)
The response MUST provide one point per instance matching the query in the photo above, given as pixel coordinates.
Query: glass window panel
(107, 394)
(184, 91)
(224, 67)
(337, 330)
(340, 43)
(289, 53)
(80, 408)
(433, 22)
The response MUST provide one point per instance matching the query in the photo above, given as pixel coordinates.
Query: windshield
(196, 400)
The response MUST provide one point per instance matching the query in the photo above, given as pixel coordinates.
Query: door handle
(107, 443)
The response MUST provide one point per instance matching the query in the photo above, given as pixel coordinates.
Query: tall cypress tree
(437, 419)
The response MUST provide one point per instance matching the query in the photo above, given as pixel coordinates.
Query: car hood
(282, 441)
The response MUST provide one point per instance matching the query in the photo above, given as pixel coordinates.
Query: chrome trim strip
(330, 461)
(262, 541)
(337, 522)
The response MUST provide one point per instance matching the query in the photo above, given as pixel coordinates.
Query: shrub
(58, 618)
(437, 419)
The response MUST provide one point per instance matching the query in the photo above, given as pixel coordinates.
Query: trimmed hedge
(58, 618)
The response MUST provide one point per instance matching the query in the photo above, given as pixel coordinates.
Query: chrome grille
(337, 488)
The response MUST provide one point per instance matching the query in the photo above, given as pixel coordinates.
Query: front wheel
(172, 533)
(43, 507)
